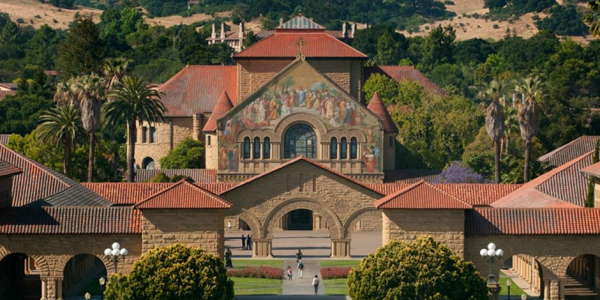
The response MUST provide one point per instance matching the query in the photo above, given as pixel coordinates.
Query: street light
(523, 297)
(491, 255)
(102, 282)
(115, 253)
(88, 296)
(508, 286)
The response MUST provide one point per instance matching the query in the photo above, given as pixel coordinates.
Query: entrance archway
(81, 274)
(299, 219)
(19, 278)
(582, 280)
(362, 224)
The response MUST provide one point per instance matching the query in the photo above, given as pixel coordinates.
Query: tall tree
(494, 118)
(62, 125)
(133, 102)
(90, 90)
(593, 17)
(83, 51)
(529, 110)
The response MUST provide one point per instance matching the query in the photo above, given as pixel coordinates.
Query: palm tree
(90, 91)
(528, 113)
(114, 70)
(62, 125)
(494, 118)
(592, 18)
(65, 93)
(133, 102)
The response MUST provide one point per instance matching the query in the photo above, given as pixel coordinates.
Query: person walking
(229, 225)
(289, 274)
(243, 242)
(298, 255)
(315, 283)
(249, 242)
(300, 269)
(228, 263)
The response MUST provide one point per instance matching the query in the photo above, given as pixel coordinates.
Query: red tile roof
(184, 195)
(70, 220)
(196, 89)
(317, 43)
(532, 221)
(388, 188)
(301, 159)
(477, 194)
(421, 195)
(570, 151)
(4, 139)
(222, 107)
(402, 73)
(593, 170)
(563, 187)
(377, 107)
(198, 175)
(7, 169)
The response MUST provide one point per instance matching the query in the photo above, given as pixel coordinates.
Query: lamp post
(523, 297)
(87, 296)
(508, 286)
(491, 255)
(115, 253)
(102, 282)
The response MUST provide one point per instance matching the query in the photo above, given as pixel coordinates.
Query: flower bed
(257, 272)
(335, 272)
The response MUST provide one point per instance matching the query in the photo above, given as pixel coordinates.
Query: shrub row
(335, 272)
(257, 272)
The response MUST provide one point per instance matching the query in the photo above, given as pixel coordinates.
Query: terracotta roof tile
(285, 45)
(222, 107)
(4, 139)
(40, 185)
(7, 169)
(570, 151)
(388, 188)
(421, 195)
(184, 195)
(532, 221)
(196, 89)
(402, 73)
(593, 170)
(70, 220)
(198, 175)
(377, 107)
(477, 194)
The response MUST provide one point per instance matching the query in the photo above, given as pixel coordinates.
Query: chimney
(222, 32)
(213, 35)
(280, 21)
(353, 30)
(241, 35)
(344, 32)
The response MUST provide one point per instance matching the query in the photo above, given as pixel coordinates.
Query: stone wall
(193, 228)
(445, 226)
(597, 192)
(211, 151)
(168, 136)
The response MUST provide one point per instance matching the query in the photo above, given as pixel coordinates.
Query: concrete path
(294, 297)
(302, 286)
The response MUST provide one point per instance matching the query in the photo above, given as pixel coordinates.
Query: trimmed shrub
(257, 272)
(335, 272)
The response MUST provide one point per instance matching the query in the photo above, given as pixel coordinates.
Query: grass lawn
(257, 286)
(242, 263)
(339, 263)
(335, 286)
(514, 289)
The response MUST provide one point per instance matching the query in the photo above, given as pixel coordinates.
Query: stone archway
(339, 246)
(81, 270)
(348, 225)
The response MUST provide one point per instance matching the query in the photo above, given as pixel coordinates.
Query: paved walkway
(302, 286)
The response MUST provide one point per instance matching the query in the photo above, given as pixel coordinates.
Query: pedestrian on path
(315, 283)
(289, 274)
(229, 225)
(249, 242)
(300, 269)
(243, 242)
(228, 263)
(298, 255)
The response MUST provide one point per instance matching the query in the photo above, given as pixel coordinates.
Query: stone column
(561, 288)
(554, 290)
(340, 248)
(262, 247)
(546, 289)
(44, 289)
(59, 284)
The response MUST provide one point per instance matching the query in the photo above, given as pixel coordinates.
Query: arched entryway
(299, 219)
(245, 227)
(582, 280)
(364, 225)
(148, 163)
(525, 273)
(82, 274)
(19, 278)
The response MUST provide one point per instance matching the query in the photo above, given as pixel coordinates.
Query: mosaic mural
(300, 90)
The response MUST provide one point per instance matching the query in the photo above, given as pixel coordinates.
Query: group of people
(247, 242)
(300, 265)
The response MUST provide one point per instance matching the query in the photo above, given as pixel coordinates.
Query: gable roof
(563, 187)
(421, 195)
(298, 160)
(377, 107)
(402, 73)
(300, 22)
(570, 151)
(478, 194)
(529, 221)
(184, 195)
(316, 44)
(196, 89)
(40, 185)
(198, 175)
(222, 107)
(7, 169)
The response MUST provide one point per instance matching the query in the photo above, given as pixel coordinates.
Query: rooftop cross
(300, 43)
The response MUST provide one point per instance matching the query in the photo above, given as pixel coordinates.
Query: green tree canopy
(83, 51)
(173, 272)
(422, 269)
(188, 155)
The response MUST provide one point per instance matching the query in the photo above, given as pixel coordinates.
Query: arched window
(267, 148)
(300, 139)
(353, 148)
(344, 148)
(256, 152)
(148, 163)
(333, 152)
(246, 147)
